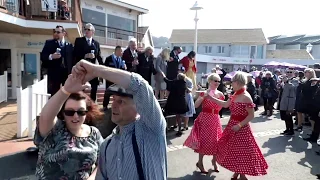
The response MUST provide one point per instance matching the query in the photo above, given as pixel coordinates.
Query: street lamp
(196, 7)
(309, 48)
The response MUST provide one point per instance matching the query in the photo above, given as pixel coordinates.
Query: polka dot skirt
(238, 151)
(206, 130)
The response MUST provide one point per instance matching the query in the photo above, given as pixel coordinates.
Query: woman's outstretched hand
(74, 83)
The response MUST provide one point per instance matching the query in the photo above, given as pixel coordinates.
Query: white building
(26, 25)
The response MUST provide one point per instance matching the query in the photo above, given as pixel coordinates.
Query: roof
(219, 36)
(144, 31)
(284, 39)
(288, 54)
(298, 39)
(127, 5)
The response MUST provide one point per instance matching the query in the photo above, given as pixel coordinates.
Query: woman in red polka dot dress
(207, 128)
(237, 148)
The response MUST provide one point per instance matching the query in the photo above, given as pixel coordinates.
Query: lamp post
(196, 7)
(309, 48)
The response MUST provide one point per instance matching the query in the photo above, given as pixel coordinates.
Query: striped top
(150, 130)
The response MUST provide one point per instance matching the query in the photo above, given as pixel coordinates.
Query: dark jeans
(316, 129)
(287, 119)
(268, 103)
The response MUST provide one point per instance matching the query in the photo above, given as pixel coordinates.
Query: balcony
(33, 17)
(112, 37)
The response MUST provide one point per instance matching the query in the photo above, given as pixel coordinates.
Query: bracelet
(64, 91)
(239, 125)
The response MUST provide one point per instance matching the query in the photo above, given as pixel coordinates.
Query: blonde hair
(311, 71)
(90, 26)
(268, 72)
(165, 54)
(240, 77)
(213, 76)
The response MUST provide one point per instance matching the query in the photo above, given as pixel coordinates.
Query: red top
(185, 63)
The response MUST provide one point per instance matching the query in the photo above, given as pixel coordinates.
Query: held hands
(135, 62)
(236, 128)
(84, 70)
(74, 83)
(89, 56)
(170, 59)
(56, 56)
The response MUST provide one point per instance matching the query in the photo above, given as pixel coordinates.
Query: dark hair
(175, 48)
(191, 54)
(117, 47)
(93, 110)
(59, 26)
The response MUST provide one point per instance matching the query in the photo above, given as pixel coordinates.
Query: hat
(119, 91)
(314, 79)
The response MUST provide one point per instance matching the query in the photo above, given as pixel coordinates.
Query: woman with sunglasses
(207, 129)
(237, 149)
(68, 148)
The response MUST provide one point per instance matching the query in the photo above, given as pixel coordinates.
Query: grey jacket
(288, 98)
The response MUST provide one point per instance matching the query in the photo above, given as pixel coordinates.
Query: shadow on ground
(18, 165)
(197, 176)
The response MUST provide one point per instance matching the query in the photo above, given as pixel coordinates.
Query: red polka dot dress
(206, 130)
(238, 151)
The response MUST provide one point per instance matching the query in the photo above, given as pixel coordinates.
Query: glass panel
(260, 52)
(244, 50)
(121, 23)
(28, 69)
(253, 50)
(5, 63)
(97, 18)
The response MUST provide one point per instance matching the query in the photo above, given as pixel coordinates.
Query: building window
(220, 49)
(97, 18)
(183, 48)
(191, 48)
(242, 50)
(208, 49)
(121, 23)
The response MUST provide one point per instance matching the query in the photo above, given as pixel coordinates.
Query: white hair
(149, 48)
(89, 25)
(133, 40)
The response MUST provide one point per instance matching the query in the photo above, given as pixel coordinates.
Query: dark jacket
(55, 66)
(112, 62)
(145, 67)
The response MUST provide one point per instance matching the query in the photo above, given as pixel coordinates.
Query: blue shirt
(118, 161)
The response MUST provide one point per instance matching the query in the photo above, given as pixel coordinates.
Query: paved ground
(289, 158)
(8, 120)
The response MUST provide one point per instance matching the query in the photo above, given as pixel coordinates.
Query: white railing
(30, 102)
(4, 87)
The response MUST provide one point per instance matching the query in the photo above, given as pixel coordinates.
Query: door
(29, 68)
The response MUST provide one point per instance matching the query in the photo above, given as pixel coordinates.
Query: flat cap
(119, 91)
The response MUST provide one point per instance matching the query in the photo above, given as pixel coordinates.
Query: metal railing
(116, 37)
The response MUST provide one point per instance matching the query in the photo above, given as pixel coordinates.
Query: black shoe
(284, 132)
(318, 176)
(179, 133)
(264, 113)
(298, 128)
(312, 140)
(290, 133)
(185, 129)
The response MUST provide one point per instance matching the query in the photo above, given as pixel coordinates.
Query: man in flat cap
(136, 149)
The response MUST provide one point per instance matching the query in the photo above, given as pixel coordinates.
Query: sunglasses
(86, 29)
(71, 112)
(58, 32)
(216, 81)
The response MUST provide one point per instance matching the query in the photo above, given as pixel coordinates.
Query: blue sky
(275, 17)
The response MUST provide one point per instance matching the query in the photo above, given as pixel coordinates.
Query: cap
(119, 91)
(314, 79)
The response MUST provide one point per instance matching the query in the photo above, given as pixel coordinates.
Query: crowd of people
(71, 148)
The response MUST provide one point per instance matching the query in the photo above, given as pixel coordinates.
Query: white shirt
(90, 40)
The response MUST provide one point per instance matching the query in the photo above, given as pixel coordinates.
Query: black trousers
(55, 81)
(94, 88)
(287, 119)
(316, 129)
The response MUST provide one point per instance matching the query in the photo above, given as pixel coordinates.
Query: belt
(209, 110)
